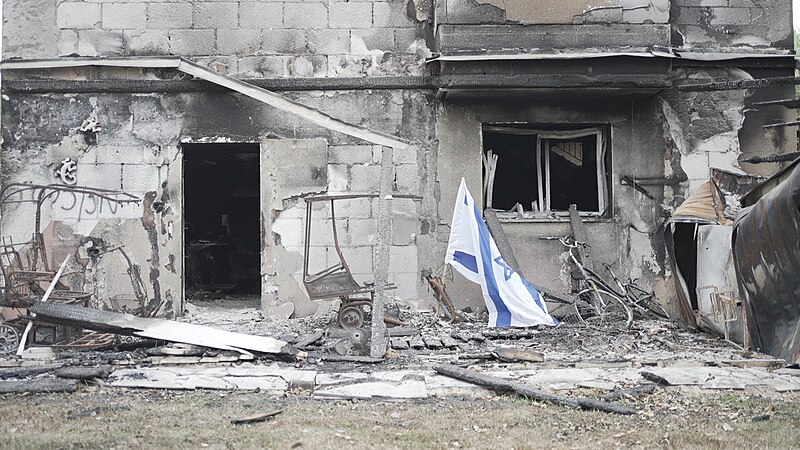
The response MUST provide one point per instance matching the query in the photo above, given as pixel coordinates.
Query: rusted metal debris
(767, 260)
(502, 385)
(337, 281)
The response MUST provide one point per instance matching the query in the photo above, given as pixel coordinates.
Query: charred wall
(139, 151)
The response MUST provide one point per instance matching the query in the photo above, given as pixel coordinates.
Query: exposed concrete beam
(242, 87)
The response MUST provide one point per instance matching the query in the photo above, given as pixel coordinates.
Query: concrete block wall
(732, 23)
(243, 38)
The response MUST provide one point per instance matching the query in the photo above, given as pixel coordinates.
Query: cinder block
(169, 15)
(100, 43)
(405, 38)
(351, 15)
(408, 285)
(402, 258)
(318, 258)
(407, 156)
(359, 259)
(404, 229)
(238, 41)
(103, 176)
(361, 232)
(216, 15)
(116, 154)
(710, 3)
(350, 154)
(191, 42)
(68, 42)
(263, 66)
(305, 15)
(328, 42)
(322, 231)
(353, 208)
(150, 42)
(365, 178)
(308, 66)
(124, 16)
(283, 42)
(391, 14)
(260, 15)
(730, 16)
(140, 177)
(363, 41)
(406, 178)
(337, 178)
(405, 206)
(78, 15)
(291, 232)
(222, 64)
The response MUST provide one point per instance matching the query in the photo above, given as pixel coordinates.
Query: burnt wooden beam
(503, 385)
(772, 158)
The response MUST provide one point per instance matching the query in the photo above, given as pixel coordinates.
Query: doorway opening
(221, 221)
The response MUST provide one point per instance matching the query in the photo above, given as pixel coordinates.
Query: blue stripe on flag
(503, 314)
(468, 261)
(537, 297)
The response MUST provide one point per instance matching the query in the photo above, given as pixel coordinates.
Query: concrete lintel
(454, 39)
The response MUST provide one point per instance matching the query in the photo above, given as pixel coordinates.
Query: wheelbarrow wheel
(351, 317)
(9, 339)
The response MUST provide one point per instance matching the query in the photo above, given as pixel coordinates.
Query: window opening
(538, 172)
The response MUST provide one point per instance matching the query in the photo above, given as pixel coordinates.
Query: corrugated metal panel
(702, 206)
(767, 257)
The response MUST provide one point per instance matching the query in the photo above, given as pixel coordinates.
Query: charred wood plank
(256, 417)
(772, 158)
(83, 372)
(502, 385)
(38, 386)
(29, 371)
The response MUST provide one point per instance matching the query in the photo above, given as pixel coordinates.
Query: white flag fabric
(511, 300)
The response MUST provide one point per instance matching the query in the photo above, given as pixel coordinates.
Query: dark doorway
(221, 218)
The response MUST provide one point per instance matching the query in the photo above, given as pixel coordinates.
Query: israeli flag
(511, 300)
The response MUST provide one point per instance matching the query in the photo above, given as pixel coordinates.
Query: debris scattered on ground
(256, 417)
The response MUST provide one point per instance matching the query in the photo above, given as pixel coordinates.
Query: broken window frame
(543, 136)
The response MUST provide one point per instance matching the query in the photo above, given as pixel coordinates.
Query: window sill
(553, 218)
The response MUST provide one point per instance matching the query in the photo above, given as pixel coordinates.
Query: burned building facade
(574, 99)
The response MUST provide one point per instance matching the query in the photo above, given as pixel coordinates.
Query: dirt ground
(101, 417)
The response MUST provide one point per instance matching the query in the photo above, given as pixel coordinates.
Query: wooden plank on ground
(166, 330)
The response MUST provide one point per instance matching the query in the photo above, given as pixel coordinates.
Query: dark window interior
(573, 170)
(221, 212)
(573, 180)
(515, 179)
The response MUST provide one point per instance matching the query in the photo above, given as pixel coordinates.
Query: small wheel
(9, 339)
(351, 317)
